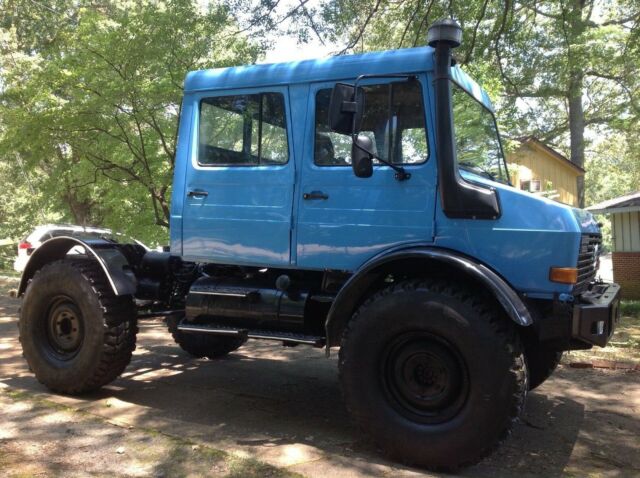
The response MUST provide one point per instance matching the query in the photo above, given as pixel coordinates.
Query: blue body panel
(361, 217)
(246, 216)
(256, 215)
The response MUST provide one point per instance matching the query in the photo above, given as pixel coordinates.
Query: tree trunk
(576, 128)
(81, 210)
(577, 26)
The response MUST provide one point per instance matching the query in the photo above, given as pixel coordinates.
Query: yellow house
(537, 168)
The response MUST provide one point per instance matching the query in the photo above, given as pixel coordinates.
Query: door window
(243, 130)
(393, 118)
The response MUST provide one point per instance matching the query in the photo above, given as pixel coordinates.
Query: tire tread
(120, 328)
(501, 326)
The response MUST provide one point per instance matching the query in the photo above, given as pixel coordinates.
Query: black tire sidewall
(484, 416)
(203, 345)
(54, 280)
(542, 361)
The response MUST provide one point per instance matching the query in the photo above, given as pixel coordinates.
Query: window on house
(532, 185)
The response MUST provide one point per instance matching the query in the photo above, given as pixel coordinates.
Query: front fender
(113, 262)
(354, 289)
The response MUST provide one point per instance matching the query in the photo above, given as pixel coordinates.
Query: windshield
(477, 141)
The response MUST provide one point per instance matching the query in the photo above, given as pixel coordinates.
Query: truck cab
(360, 202)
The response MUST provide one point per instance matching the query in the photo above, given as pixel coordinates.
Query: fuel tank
(245, 303)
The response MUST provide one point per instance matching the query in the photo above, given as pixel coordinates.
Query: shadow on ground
(283, 406)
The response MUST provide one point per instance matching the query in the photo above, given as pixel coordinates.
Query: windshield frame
(495, 124)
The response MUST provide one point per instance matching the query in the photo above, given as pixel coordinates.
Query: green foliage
(90, 106)
(566, 72)
(90, 91)
(613, 169)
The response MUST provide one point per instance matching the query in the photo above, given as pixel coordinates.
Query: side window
(393, 118)
(243, 130)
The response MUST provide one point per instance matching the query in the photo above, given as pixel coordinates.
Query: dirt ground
(266, 410)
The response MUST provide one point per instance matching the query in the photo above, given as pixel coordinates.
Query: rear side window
(243, 130)
(393, 118)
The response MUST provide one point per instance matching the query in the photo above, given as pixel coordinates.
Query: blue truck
(360, 202)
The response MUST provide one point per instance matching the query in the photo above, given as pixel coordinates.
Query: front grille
(588, 260)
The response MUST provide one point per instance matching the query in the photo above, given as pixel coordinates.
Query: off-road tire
(203, 345)
(541, 363)
(73, 297)
(479, 350)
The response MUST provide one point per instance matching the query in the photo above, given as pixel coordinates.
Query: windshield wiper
(474, 168)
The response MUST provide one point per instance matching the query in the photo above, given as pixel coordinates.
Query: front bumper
(596, 314)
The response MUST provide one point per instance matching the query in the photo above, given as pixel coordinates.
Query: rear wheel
(76, 335)
(542, 362)
(203, 345)
(432, 373)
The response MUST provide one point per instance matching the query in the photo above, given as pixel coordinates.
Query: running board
(287, 338)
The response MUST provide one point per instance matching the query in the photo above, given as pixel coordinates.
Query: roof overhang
(613, 210)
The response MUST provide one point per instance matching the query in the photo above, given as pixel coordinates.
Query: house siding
(625, 228)
(533, 163)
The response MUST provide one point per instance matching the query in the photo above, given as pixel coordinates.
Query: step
(285, 337)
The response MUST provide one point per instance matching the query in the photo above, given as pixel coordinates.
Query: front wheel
(542, 361)
(432, 373)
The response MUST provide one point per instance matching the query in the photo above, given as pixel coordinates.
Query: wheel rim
(64, 328)
(424, 377)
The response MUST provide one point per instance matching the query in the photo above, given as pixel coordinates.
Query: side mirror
(345, 110)
(362, 157)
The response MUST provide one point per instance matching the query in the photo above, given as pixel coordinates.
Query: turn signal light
(563, 275)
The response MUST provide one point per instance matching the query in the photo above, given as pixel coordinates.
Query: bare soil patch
(281, 410)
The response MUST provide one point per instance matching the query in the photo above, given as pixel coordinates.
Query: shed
(540, 169)
(625, 231)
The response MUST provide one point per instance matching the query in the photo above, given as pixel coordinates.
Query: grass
(624, 346)
(10, 273)
(630, 308)
(8, 282)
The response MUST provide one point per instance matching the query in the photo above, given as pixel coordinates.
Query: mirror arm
(401, 173)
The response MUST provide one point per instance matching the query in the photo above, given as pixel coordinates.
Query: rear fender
(106, 254)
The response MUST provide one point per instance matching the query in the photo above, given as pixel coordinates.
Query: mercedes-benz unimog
(360, 202)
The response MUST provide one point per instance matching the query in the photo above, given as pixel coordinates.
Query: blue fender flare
(350, 295)
(105, 253)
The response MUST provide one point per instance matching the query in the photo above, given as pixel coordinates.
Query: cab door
(344, 220)
(239, 183)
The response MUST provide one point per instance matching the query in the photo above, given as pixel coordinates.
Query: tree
(91, 108)
(566, 71)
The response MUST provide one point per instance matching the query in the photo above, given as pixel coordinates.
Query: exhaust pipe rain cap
(446, 30)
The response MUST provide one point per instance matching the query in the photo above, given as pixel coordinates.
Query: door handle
(315, 195)
(195, 193)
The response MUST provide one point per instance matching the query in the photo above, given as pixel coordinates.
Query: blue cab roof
(334, 68)
(408, 60)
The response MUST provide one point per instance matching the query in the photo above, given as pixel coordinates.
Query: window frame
(198, 112)
(371, 82)
(495, 124)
